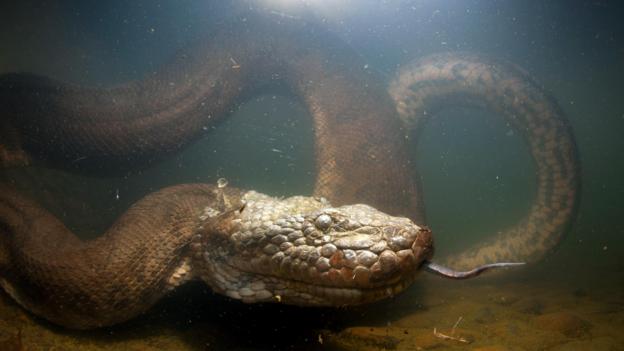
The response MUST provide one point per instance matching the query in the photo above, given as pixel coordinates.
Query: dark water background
(477, 175)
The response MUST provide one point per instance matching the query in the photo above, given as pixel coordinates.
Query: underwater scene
(311, 175)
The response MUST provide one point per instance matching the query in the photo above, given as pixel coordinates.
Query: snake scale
(319, 250)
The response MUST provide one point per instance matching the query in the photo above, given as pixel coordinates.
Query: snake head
(301, 250)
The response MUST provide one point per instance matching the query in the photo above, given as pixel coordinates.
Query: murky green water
(477, 176)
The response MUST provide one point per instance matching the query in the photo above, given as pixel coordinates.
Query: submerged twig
(456, 324)
(437, 334)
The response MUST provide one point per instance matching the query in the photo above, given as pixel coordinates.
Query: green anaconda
(307, 251)
(298, 250)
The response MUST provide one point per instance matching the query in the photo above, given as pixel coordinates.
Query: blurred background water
(477, 174)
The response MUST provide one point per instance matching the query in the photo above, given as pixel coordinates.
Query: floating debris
(284, 15)
(80, 158)
(235, 64)
(222, 183)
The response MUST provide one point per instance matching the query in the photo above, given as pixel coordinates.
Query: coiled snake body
(300, 250)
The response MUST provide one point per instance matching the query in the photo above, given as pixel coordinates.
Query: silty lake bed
(553, 312)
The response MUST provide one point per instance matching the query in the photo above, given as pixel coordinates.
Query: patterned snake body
(426, 86)
(246, 245)
(243, 244)
(130, 125)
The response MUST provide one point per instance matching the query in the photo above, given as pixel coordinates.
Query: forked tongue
(449, 273)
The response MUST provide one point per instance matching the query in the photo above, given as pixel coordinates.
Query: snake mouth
(329, 275)
(253, 287)
(302, 293)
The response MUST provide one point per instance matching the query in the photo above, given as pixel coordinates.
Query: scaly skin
(298, 250)
(320, 255)
(128, 126)
(430, 84)
(303, 251)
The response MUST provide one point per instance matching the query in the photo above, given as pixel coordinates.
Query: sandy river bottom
(520, 311)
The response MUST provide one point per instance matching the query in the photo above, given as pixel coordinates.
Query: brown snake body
(246, 245)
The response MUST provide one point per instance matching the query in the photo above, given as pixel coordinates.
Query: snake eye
(323, 221)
